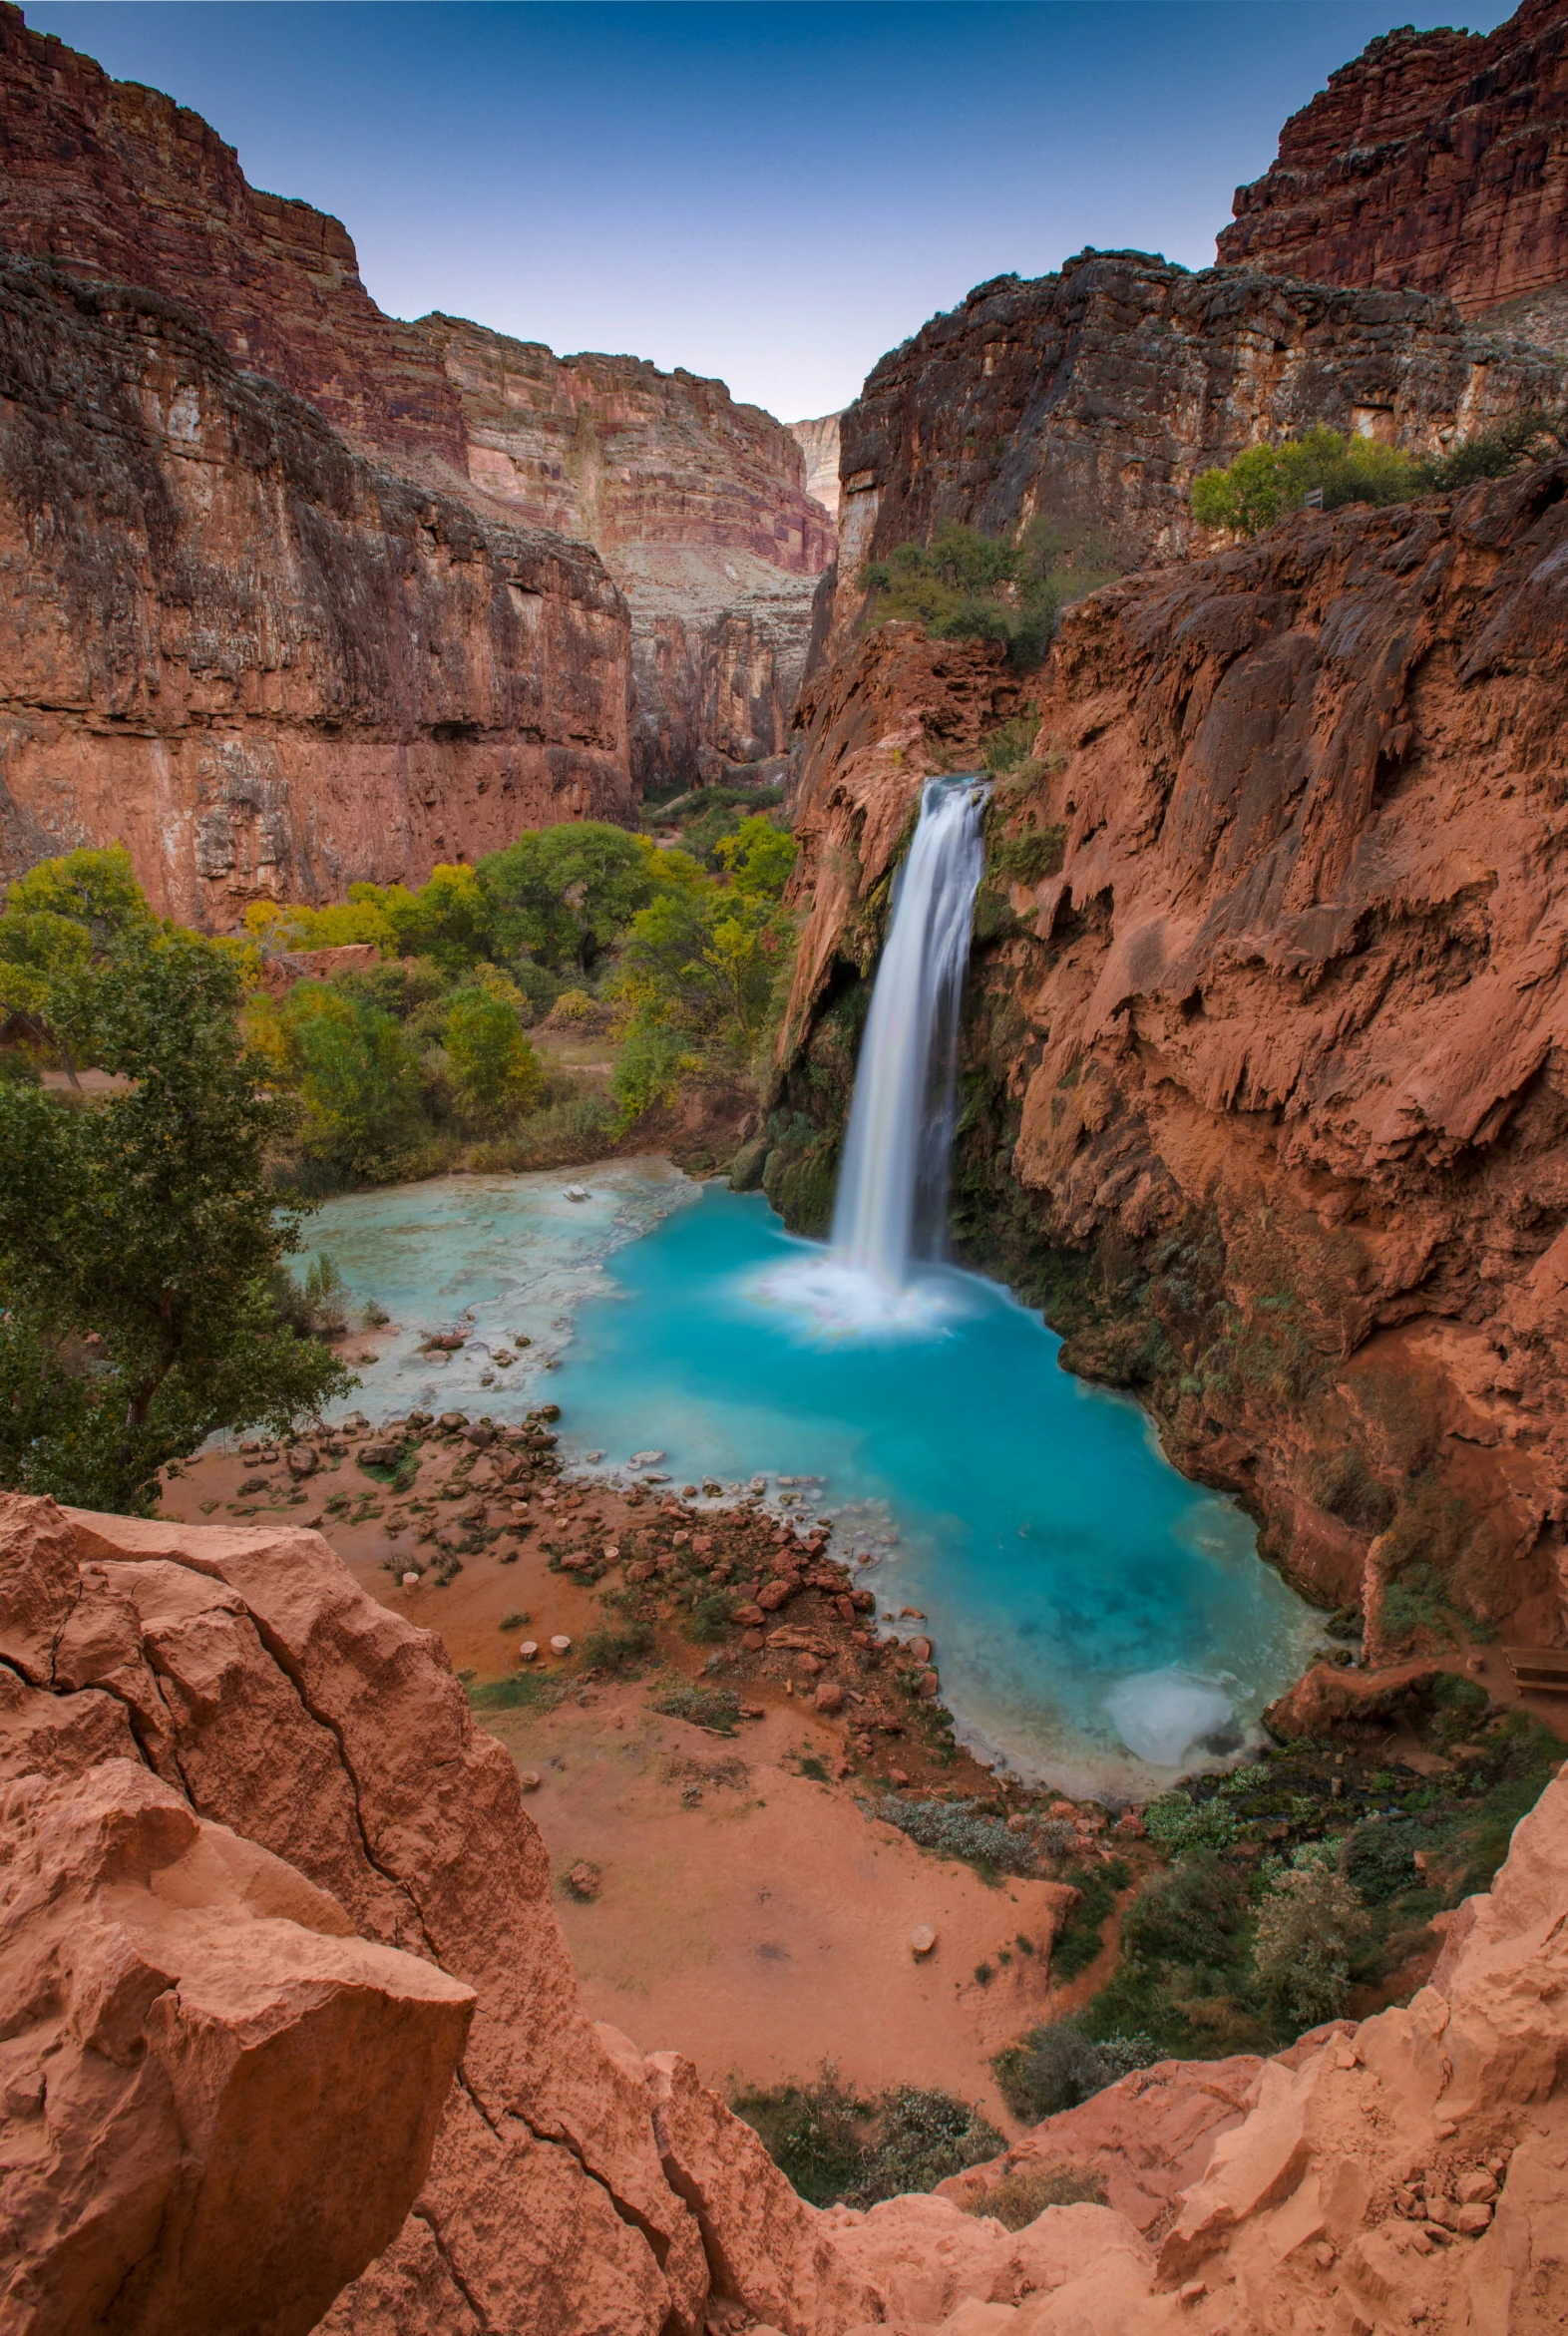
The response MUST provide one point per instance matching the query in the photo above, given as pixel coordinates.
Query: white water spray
(890, 1211)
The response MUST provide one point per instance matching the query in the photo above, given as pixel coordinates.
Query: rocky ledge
(266, 1884)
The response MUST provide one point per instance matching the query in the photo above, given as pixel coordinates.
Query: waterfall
(891, 1210)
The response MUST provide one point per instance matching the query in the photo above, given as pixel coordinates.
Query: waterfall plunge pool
(1099, 1621)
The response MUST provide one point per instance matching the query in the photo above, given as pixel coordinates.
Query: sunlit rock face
(1267, 1015)
(819, 443)
(266, 668)
(1434, 159)
(696, 501)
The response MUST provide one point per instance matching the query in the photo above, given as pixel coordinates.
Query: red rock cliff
(698, 507)
(1437, 161)
(1270, 1021)
(1095, 397)
(108, 178)
(264, 1884)
(266, 668)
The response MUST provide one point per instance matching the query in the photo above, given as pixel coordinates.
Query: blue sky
(771, 194)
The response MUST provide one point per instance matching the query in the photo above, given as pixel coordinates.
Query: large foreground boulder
(265, 1885)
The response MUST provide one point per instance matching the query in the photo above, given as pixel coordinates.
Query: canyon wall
(819, 444)
(266, 668)
(1267, 1061)
(1436, 160)
(289, 2018)
(1094, 398)
(697, 505)
(696, 502)
(107, 178)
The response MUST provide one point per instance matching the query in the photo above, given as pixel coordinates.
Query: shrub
(964, 585)
(1309, 1923)
(711, 1618)
(1176, 1823)
(618, 1651)
(921, 2136)
(1189, 1915)
(1378, 1860)
(955, 1828)
(1083, 1935)
(838, 2148)
(1022, 2196)
(716, 1709)
(1266, 482)
(1050, 2069)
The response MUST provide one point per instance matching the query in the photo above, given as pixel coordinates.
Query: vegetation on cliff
(964, 585)
(139, 1235)
(1265, 482)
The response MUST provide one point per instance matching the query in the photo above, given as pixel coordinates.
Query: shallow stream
(1099, 1621)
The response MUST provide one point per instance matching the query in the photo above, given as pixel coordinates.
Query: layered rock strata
(819, 444)
(1266, 1086)
(107, 178)
(1094, 398)
(696, 503)
(266, 1882)
(1436, 160)
(265, 666)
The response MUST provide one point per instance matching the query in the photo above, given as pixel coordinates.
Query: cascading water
(890, 1211)
(882, 1273)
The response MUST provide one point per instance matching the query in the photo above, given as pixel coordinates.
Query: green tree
(1309, 1926)
(59, 919)
(1266, 482)
(759, 857)
(563, 895)
(358, 1078)
(138, 1236)
(495, 1070)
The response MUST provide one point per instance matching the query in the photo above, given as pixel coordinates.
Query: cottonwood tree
(138, 1233)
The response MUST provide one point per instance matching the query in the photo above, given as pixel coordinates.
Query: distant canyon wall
(697, 505)
(819, 443)
(268, 668)
(1434, 161)
(697, 501)
(1266, 1068)
(1095, 397)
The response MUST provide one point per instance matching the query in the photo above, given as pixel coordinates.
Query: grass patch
(713, 1707)
(958, 1828)
(1083, 1935)
(621, 1652)
(523, 1691)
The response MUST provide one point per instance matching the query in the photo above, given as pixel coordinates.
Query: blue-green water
(1099, 1621)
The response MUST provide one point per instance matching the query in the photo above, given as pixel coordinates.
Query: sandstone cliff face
(1269, 1023)
(819, 444)
(108, 178)
(266, 668)
(1437, 161)
(1095, 397)
(698, 507)
(696, 501)
(265, 1884)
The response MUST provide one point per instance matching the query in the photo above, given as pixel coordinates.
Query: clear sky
(771, 194)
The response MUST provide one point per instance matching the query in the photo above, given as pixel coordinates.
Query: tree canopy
(139, 1235)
